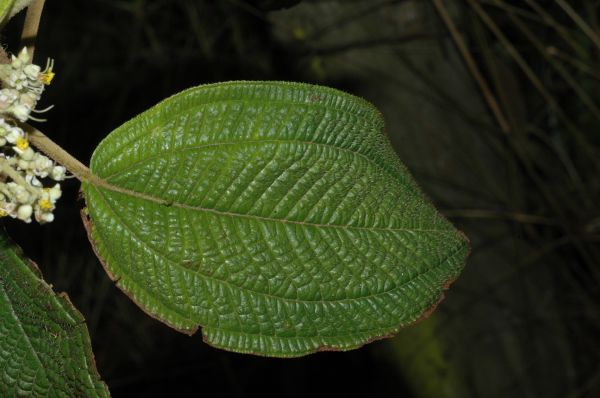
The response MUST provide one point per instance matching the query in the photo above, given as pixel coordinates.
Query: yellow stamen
(22, 143)
(3, 213)
(45, 204)
(46, 77)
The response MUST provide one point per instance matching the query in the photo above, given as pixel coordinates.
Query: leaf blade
(5, 7)
(269, 214)
(45, 348)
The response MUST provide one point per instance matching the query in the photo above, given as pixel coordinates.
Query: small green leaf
(9, 8)
(274, 215)
(44, 343)
(5, 7)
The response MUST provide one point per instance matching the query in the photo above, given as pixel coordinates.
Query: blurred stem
(522, 218)
(571, 81)
(560, 29)
(430, 365)
(7, 170)
(576, 63)
(472, 66)
(31, 25)
(50, 148)
(580, 22)
(517, 10)
(533, 78)
(587, 386)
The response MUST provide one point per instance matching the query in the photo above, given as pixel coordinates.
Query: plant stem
(533, 78)
(15, 176)
(472, 66)
(50, 148)
(31, 25)
(580, 22)
(75, 167)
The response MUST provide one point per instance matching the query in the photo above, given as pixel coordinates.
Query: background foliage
(521, 321)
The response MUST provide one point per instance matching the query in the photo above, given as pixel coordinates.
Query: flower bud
(32, 71)
(20, 111)
(58, 173)
(24, 213)
(45, 217)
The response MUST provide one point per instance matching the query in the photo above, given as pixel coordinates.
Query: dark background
(522, 321)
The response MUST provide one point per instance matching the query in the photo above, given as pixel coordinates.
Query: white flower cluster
(22, 85)
(22, 194)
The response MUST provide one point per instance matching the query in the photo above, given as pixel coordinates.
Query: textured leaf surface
(274, 215)
(44, 343)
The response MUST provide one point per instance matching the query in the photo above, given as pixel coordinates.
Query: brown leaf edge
(327, 348)
(67, 304)
(89, 226)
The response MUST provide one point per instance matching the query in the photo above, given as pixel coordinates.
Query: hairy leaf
(274, 215)
(44, 343)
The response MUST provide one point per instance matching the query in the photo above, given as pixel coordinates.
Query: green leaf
(44, 343)
(5, 7)
(274, 215)
(9, 8)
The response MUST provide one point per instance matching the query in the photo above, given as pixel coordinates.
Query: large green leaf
(274, 215)
(44, 344)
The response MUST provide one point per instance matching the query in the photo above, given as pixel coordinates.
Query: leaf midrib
(98, 183)
(103, 182)
(174, 262)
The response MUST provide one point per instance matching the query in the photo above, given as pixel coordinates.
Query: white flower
(25, 154)
(42, 166)
(17, 79)
(54, 193)
(24, 83)
(58, 173)
(14, 134)
(22, 193)
(43, 218)
(33, 181)
(20, 111)
(32, 72)
(24, 213)
(29, 99)
(4, 127)
(8, 209)
(21, 60)
(8, 97)
(19, 193)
